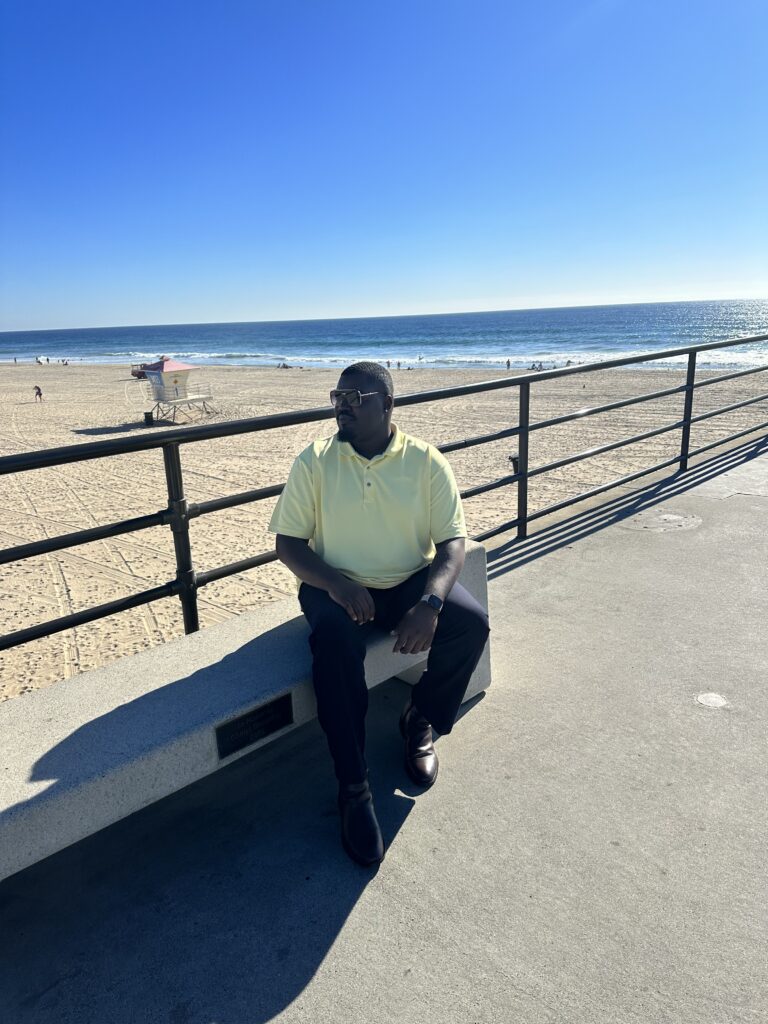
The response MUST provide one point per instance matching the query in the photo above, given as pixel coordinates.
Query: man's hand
(416, 630)
(354, 599)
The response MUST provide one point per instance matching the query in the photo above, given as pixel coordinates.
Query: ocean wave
(718, 359)
(482, 341)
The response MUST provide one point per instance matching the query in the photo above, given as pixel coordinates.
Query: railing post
(522, 461)
(178, 520)
(687, 410)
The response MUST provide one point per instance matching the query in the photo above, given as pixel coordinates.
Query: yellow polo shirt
(375, 520)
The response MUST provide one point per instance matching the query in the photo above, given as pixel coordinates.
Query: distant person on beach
(38, 394)
(508, 364)
(382, 513)
(398, 364)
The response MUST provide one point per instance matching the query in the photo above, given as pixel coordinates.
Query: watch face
(434, 602)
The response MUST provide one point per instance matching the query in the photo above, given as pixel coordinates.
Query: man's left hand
(416, 630)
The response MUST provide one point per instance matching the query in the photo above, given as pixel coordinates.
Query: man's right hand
(354, 599)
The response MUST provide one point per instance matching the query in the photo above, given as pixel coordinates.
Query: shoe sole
(359, 860)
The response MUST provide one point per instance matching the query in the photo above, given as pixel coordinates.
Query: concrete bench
(92, 749)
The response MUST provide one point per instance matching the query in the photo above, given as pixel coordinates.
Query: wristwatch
(434, 602)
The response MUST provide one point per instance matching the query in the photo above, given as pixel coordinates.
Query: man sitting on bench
(371, 523)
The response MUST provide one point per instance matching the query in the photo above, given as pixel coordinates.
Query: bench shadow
(217, 903)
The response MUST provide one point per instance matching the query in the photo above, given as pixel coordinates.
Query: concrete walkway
(594, 850)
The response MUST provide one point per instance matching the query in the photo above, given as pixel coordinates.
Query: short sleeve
(446, 516)
(294, 514)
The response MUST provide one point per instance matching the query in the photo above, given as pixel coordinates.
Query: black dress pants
(338, 653)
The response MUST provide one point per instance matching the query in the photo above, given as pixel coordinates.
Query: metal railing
(180, 511)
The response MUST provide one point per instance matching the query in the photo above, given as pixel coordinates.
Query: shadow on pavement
(515, 553)
(218, 903)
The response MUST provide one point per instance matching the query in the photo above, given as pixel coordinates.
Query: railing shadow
(513, 554)
(218, 903)
(121, 428)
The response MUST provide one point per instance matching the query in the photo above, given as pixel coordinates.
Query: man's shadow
(219, 902)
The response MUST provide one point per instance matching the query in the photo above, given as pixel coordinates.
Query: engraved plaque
(247, 729)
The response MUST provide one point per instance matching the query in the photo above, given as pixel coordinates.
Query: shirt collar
(395, 445)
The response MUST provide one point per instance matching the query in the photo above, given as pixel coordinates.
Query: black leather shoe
(360, 832)
(420, 757)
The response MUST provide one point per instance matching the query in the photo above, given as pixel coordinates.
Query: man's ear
(389, 403)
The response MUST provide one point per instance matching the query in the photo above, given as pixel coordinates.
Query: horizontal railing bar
(592, 411)
(71, 540)
(218, 504)
(556, 420)
(567, 371)
(470, 442)
(179, 435)
(100, 611)
(211, 575)
(510, 525)
(731, 437)
(245, 497)
(643, 472)
(471, 492)
(169, 589)
(595, 491)
(729, 376)
(604, 487)
(538, 470)
(728, 408)
(558, 506)
(203, 508)
(186, 435)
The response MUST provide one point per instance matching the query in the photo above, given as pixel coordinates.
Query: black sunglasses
(351, 396)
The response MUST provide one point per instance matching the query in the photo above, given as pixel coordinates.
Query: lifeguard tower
(167, 385)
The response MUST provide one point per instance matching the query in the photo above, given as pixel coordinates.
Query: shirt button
(368, 484)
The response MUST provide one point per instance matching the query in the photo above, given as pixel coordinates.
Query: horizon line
(384, 316)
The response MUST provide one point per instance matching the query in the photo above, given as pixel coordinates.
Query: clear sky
(190, 161)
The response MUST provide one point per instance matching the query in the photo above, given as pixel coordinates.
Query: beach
(84, 402)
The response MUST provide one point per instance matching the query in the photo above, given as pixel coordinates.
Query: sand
(87, 403)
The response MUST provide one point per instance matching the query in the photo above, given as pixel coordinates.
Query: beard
(345, 432)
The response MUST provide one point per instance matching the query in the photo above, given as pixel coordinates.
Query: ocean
(454, 340)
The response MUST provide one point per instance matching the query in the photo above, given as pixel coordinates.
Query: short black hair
(376, 372)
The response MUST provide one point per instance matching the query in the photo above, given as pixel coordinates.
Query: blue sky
(197, 162)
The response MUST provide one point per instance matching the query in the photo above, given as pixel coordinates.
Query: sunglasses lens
(350, 397)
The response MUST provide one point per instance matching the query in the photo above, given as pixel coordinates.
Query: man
(370, 521)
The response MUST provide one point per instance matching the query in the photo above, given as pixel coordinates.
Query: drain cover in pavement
(712, 700)
(659, 521)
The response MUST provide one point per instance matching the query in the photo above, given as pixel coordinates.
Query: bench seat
(90, 750)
